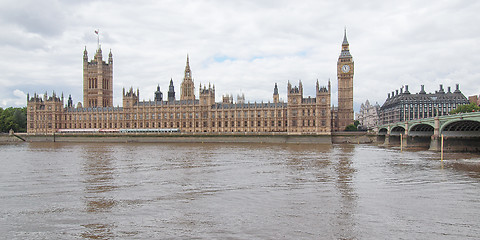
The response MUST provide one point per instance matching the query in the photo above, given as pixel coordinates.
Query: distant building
(403, 106)
(368, 115)
(474, 99)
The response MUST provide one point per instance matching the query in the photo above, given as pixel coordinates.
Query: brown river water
(235, 191)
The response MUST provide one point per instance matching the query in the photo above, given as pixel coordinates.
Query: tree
(351, 127)
(472, 107)
(356, 123)
(13, 118)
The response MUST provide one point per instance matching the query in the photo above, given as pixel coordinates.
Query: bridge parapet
(464, 125)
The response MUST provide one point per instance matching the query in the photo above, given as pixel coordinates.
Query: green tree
(351, 128)
(13, 118)
(356, 123)
(472, 107)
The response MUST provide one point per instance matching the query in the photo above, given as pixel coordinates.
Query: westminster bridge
(460, 132)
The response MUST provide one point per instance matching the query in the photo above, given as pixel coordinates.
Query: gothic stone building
(403, 106)
(368, 115)
(189, 114)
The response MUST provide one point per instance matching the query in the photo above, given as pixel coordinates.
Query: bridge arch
(383, 131)
(461, 128)
(397, 130)
(421, 129)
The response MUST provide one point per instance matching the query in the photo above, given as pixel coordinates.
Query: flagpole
(98, 38)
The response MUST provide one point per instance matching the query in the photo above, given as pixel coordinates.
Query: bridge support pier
(387, 140)
(434, 144)
(435, 140)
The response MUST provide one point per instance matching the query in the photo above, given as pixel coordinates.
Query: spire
(345, 46)
(171, 91)
(275, 90)
(158, 95)
(110, 57)
(85, 55)
(188, 72)
(345, 41)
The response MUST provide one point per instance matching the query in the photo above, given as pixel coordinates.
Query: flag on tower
(96, 32)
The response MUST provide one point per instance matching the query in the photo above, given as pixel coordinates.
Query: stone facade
(368, 116)
(97, 80)
(345, 70)
(402, 106)
(299, 115)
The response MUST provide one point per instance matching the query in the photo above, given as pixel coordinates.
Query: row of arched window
(92, 83)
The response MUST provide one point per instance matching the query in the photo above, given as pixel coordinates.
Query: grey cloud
(412, 42)
(46, 18)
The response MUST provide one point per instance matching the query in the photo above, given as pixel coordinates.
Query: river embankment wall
(7, 138)
(354, 137)
(337, 137)
(182, 138)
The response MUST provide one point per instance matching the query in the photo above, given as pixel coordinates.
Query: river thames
(235, 191)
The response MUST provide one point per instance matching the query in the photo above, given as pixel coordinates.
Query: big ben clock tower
(345, 86)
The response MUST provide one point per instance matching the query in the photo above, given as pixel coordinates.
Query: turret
(295, 94)
(240, 98)
(110, 57)
(300, 86)
(158, 95)
(130, 98)
(98, 55)
(171, 92)
(85, 55)
(70, 101)
(275, 94)
(207, 95)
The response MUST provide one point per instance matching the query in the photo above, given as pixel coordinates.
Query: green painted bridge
(461, 130)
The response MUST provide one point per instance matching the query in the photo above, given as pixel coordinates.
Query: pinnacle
(345, 41)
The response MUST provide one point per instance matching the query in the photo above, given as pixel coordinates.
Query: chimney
(441, 89)
(458, 89)
(388, 96)
(406, 89)
(396, 92)
(449, 89)
(422, 89)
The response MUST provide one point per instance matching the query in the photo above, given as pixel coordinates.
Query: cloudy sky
(240, 46)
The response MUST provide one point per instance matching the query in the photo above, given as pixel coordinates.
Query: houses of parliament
(192, 114)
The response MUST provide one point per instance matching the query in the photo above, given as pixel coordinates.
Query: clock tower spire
(187, 87)
(345, 70)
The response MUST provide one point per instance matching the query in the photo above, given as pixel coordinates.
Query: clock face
(345, 68)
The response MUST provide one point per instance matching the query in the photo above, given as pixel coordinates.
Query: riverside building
(403, 106)
(192, 114)
(368, 116)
